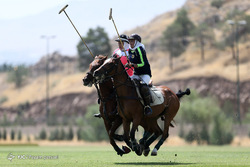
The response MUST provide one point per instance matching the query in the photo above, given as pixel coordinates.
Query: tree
(4, 134)
(98, 42)
(171, 42)
(17, 75)
(43, 134)
(175, 36)
(62, 134)
(5, 67)
(202, 34)
(70, 134)
(186, 24)
(19, 135)
(217, 3)
(12, 134)
(202, 112)
(93, 130)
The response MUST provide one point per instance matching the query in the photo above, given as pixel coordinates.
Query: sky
(23, 22)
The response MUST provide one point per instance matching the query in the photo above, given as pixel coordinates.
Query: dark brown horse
(107, 103)
(131, 109)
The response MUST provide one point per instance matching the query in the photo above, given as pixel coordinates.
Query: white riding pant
(145, 78)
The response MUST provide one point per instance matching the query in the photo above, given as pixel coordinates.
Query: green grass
(105, 156)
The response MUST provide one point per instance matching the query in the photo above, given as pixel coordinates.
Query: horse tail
(179, 94)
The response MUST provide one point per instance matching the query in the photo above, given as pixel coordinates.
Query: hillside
(218, 71)
(189, 64)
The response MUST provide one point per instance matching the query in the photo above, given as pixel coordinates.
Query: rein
(118, 98)
(104, 100)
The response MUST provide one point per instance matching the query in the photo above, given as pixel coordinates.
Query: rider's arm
(141, 52)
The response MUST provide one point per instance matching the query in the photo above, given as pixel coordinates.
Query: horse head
(107, 69)
(89, 80)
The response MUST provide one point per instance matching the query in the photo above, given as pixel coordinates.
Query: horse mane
(100, 57)
(116, 59)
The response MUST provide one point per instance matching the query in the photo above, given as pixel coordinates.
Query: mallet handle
(63, 9)
(111, 18)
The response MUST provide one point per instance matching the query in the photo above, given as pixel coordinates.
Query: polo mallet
(111, 18)
(63, 10)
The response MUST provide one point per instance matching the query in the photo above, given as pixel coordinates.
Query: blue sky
(24, 21)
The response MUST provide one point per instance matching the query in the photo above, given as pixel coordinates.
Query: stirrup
(147, 110)
(97, 115)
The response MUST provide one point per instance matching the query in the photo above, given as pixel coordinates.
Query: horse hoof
(135, 146)
(142, 148)
(126, 149)
(146, 151)
(121, 154)
(154, 152)
(138, 151)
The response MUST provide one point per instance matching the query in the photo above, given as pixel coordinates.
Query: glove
(126, 65)
(133, 65)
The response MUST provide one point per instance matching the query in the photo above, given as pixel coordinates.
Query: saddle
(156, 95)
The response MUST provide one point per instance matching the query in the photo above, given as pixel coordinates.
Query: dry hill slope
(187, 67)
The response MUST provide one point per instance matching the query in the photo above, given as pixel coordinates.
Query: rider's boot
(147, 99)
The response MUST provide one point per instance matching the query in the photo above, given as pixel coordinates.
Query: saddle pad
(157, 97)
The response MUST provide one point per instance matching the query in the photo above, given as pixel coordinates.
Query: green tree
(54, 135)
(79, 133)
(98, 42)
(208, 122)
(12, 134)
(5, 67)
(217, 3)
(70, 135)
(4, 134)
(43, 134)
(171, 42)
(174, 38)
(186, 24)
(62, 134)
(94, 129)
(202, 35)
(19, 135)
(221, 132)
(18, 75)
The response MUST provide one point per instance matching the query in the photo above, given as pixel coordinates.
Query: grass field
(90, 156)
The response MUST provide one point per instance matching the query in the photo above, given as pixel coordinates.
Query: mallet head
(110, 14)
(63, 9)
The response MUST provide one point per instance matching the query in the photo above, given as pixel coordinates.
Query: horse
(131, 109)
(107, 90)
(108, 104)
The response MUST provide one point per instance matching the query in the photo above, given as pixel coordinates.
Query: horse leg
(157, 133)
(116, 124)
(143, 140)
(126, 129)
(111, 128)
(163, 138)
(145, 137)
(135, 145)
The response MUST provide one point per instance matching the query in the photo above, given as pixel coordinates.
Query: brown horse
(107, 103)
(131, 109)
(106, 92)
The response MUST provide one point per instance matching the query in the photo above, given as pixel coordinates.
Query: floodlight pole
(236, 40)
(47, 38)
